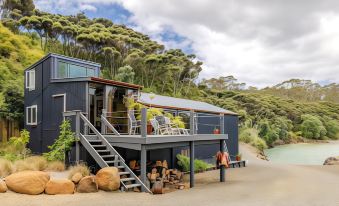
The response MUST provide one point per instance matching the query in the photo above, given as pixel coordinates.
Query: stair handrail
(90, 125)
(109, 125)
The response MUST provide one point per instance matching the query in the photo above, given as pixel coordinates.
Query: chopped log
(168, 172)
(158, 164)
(179, 175)
(153, 177)
(157, 188)
(132, 164)
(175, 171)
(165, 164)
(163, 172)
(149, 176)
(154, 170)
(180, 186)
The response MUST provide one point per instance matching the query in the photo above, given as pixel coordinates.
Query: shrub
(6, 167)
(184, 163)
(332, 127)
(62, 144)
(79, 168)
(250, 136)
(18, 144)
(56, 166)
(22, 165)
(312, 127)
(38, 162)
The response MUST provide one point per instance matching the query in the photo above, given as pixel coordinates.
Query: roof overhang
(115, 83)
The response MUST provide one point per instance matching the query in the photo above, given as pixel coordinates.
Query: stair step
(120, 167)
(124, 173)
(132, 185)
(127, 179)
(99, 145)
(110, 162)
(107, 156)
(94, 140)
(102, 151)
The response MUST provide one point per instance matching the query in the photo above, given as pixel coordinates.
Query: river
(303, 153)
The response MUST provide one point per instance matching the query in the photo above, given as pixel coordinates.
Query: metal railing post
(222, 147)
(192, 123)
(143, 126)
(103, 125)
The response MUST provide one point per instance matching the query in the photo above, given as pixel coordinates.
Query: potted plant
(216, 131)
(238, 157)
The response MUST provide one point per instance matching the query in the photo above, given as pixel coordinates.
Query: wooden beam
(143, 162)
(191, 164)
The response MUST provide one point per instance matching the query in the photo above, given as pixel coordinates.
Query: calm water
(304, 154)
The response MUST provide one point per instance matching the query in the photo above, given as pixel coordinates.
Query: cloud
(259, 42)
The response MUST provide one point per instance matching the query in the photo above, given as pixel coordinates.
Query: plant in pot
(238, 157)
(216, 130)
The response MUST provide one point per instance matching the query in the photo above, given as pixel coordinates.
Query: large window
(30, 79)
(68, 70)
(31, 115)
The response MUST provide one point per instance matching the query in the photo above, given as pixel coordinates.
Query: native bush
(79, 168)
(199, 165)
(251, 136)
(312, 127)
(332, 128)
(62, 144)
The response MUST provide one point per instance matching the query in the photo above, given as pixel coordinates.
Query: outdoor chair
(175, 129)
(134, 124)
(159, 129)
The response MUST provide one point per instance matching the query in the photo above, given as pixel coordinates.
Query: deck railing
(195, 121)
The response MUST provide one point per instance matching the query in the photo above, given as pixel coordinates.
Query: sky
(260, 42)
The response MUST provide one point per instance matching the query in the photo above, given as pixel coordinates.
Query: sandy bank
(261, 183)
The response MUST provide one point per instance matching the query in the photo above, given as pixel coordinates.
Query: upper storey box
(59, 67)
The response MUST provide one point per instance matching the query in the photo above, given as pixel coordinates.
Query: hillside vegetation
(288, 112)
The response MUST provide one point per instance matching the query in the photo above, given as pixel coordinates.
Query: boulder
(3, 186)
(87, 184)
(59, 186)
(77, 177)
(28, 182)
(332, 161)
(108, 179)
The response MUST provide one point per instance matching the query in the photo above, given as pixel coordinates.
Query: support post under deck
(77, 144)
(143, 162)
(222, 147)
(191, 164)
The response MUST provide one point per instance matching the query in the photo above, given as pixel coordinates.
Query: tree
(312, 127)
(125, 74)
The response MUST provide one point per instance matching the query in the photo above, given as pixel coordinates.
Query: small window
(76, 71)
(31, 115)
(62, 70)
(30, 79)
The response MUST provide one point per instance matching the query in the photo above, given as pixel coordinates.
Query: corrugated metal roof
(178, 103)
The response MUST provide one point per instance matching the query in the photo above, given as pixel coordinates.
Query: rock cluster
(37, 182)
(332, 161)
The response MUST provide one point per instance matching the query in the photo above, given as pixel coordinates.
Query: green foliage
(312, 127)
(62, 144)
(16, 149)
(251, 136)
(177, 120)
(199, 165)
(332, 128)
(125, 74)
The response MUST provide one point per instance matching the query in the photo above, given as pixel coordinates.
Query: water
(303, 154)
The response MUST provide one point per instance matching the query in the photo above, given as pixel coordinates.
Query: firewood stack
(160, 176)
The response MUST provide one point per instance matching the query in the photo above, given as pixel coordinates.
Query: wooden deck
(151, 142)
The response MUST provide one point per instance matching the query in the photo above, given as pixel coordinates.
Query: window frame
(32, 115)
(68, 71)
(30, 79)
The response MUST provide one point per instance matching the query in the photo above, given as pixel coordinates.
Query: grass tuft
(81, 168)
(56, 166)
(6, 167)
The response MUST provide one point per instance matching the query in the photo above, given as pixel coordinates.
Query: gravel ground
(261, 183)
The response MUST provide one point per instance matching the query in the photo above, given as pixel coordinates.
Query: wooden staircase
(105, 155)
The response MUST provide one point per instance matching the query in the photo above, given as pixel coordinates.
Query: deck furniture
(175, 129)
(134, 124)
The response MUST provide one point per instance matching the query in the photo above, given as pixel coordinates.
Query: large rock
(59, 186)
(87, 184)
(77, 177)
(3, 186)
(108, 179)
(27, 182)
(332, 161)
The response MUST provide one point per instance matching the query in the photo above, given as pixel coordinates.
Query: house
(59, 87)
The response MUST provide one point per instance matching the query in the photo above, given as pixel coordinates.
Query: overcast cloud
(259, 42)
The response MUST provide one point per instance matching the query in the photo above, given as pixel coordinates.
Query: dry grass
(6, 167)
(57, 166)
(81, 168)
(34, 163)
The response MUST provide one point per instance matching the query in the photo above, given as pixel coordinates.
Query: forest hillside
(291, 111)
